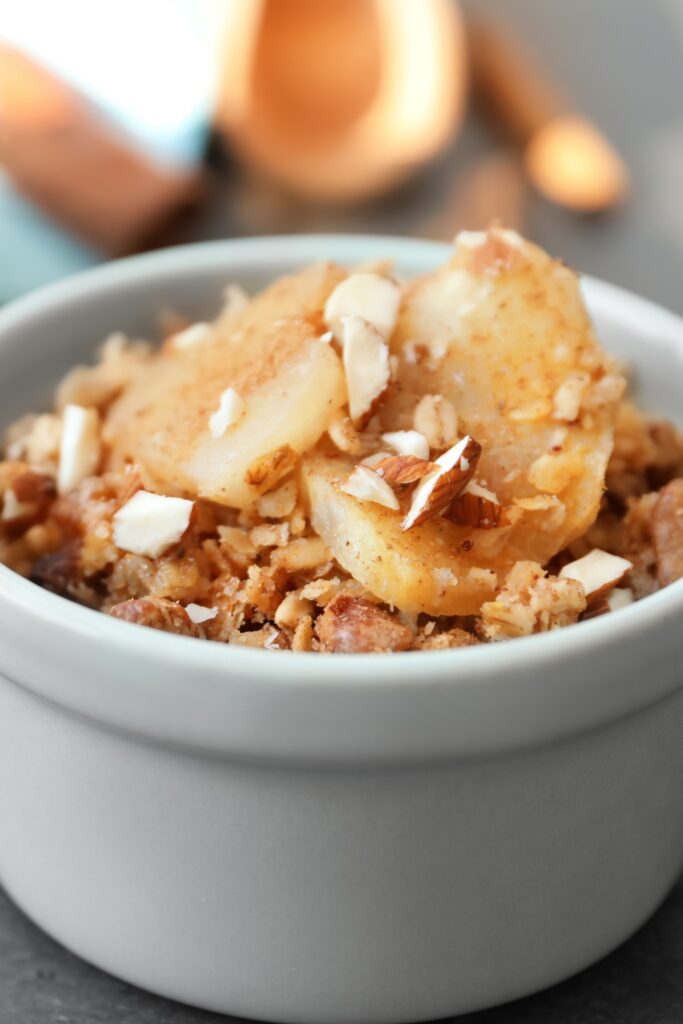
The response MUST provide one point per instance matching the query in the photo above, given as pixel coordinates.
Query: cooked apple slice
(501, 333)
(436, 567)
(286, 384)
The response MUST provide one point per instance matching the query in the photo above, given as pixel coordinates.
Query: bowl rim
(341, 678)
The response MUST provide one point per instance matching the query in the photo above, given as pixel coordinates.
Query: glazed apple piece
(502, 335)
(435, 567)
(209, 418)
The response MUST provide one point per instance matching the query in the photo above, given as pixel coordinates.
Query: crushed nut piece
(79, 451)
(149, 524)
(403, 469)
(367, 485)
(436, 419)
(436, 491)
(408, 442)
(344, 435)
(156, 613)
(371, 297)
(568, 397)
(597, 572)
(531, 602)
(667, 532)
(279, 503)
(366, 365)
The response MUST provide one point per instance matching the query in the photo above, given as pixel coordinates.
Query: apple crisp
(347, 463)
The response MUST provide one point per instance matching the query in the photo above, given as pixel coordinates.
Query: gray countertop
(623, 62)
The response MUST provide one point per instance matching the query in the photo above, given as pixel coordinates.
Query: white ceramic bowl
(346, 839)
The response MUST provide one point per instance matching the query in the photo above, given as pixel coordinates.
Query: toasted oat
(531, 602)
(279, 503)
(436, 419)
(270, 535)
(344, 435)
(267, 471)
(302, 640)
(350, 625)
(291, 610)
(428, 640)
(301, 554)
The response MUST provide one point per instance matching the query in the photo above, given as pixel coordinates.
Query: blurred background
(136, 125)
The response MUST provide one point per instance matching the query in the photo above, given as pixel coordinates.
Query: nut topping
(436, 491)
(667, 532)
(403, 469)
(366, 485)
(370, 297)
(408, 442)
(366, 365)
(598, 572)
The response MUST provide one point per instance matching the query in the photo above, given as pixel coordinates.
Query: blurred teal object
(33, 249)
(149, 69)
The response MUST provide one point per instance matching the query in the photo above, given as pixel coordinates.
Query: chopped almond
(149, 523)
(436, 491)
(619, 598)
(370, 297)
(291, 610)
(477, 507)
(366, 485)
(598, 572)
(344, 435)
(403, 469)
(408, 442)
(79, 449)
(568, 397)
(267, 470)
(436, 419)
(366, 365)
(198, 614)
(231, 409)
